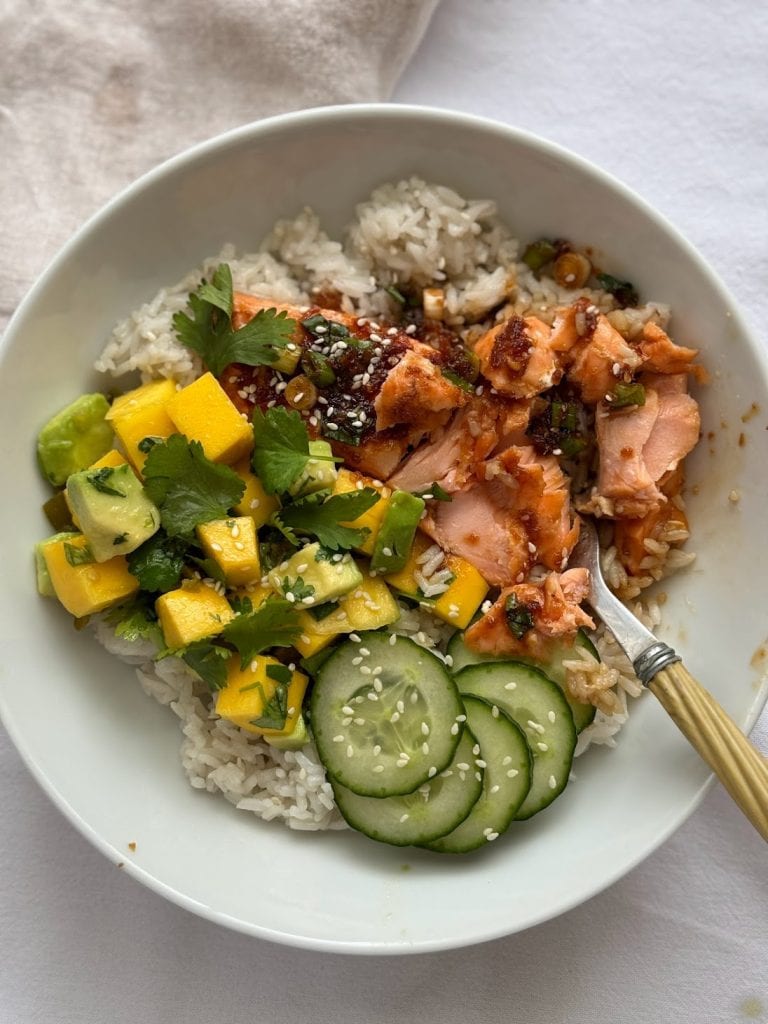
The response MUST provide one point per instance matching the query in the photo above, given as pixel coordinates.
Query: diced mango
(203, 412)
(369, 606)
(347, 480)
(255, 501)
(265, 690)
(87, 587)
(254, 592)
(231, 543)
(459, 602)
(192, 612)
(111, 460)
(140, 414)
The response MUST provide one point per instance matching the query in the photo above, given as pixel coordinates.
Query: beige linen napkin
(95, 92)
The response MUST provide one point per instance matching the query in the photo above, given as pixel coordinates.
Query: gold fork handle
(716, 737)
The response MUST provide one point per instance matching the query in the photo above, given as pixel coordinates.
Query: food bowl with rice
(313, 450)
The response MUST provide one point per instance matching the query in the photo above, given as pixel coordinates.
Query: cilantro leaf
(158, 562)
(187, 487)
(324, 519)
(280, 448)
(275, 709)
(135, 620)
(273, 624)
(209, 330)
(209, 661)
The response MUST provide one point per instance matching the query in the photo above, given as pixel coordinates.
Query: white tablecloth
(671, 98)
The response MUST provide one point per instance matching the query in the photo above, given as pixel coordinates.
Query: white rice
(410, 235)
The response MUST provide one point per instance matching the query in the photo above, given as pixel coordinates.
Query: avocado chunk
(318, 474)
(398, 528)
(294, 740)
(44, 584)
(315, 575)
(75, 438)
(112, 510)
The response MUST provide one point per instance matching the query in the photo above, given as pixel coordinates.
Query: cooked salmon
(514, 514)
(661, 355)
(516, 357)
(485, 424)
(551, 609)
(415, 392)
(601, 359)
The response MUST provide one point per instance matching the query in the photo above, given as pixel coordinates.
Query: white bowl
(107, 755)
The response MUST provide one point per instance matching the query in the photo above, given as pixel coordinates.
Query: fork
(707, 727)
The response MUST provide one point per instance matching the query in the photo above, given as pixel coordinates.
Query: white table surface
(672, 98)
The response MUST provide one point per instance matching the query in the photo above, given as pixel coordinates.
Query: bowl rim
(413, 113)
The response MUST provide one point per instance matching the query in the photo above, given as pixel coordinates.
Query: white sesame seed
(507, 760)
(393, 640)
(354, 638)
(480, 762)
(404, 817)
(424, 729)
(425, 748)
(365, 670)
(494, 789)
(535, 725)
(463, 766)
(338, 739)
(455, 729)
(400, 707)
(364, 651)
(510, 686)
(494, 711)
(378, 685)
(379, 768)
(552, 782)
(372, 695)
(376, 750)
(395, 716)
(346, 722)
(290, 597)
(350, 750)
(215, 546)
(512, 773)
(347, 710)
(551, 716)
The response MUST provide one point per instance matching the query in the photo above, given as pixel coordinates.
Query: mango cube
(255, 501)
(264, 697)
(316, 634)
(140, 414)
(192, 612)
(231, 543)
(86, 587)
(347, 480)
(203, 412)
(465, 593)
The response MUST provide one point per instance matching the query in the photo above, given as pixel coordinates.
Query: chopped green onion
(518, 615)
(624, 292)
(538, 254)
(626, 394)
(318, 368)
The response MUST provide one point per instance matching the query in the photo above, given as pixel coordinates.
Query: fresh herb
(209, 567)
(396, 295)
(241, 605)
(346, 434)
(275, 710)
(121, 538)
(324, 518)
(77, 554)
(626, 394)
(459, 382)
(519, 617)
(624, 292)
(209, 331)
(146, 444)
(329, 329)
(98, 480)
(558, 429)
(318, 368)
(280, 673)
(134, 621)
(433, 493)
(273, 624)
(273, 548)
(209, 661)
(158, 562)
(281, 448)
(538, 254)
(297, 588)
(187, 487)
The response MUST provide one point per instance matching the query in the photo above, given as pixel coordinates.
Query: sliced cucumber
(508, 764)
(583, 714)
(542, 712)
(433, 810)
(384, 715)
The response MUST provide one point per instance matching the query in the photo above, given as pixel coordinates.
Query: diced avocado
(315, 575)
(44, 584)
(293, 740)
(398, 528)
(112, 510)
(320, 472)
(74, 438)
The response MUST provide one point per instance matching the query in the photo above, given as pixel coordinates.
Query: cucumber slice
(433, 810)
(583, 714)
(384, 715)
(542, 712)
(508, 765)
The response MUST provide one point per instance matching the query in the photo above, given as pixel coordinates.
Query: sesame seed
(463, 766)
(461, 718)
(410, 329)
(359, 721)
(357, 661)
(365, 651)
(395, 716)
(372, 695)
(215, 546)
(400, 707)
(350, 750)
(510, 686)
(542, 747)
(379, 768)
(494, 711)
(354, 638)
(512, 773)
(376, 750)
(507, 760)
(346, 722)
(290, 597)
(393, 640)
(365, 669)
(254, 664)
(491, 836)
(455, 729)
(414, 697)
(479, 776)
(552, 782)
(338, 739)
(347, 710)
(424, 729)
(403, 817)
(551, 716)
(535, 725)
(378, 685)
(480, 763)
(476, 749)
(494, 789)
(425, 748)
(255, 503)
(432, 772)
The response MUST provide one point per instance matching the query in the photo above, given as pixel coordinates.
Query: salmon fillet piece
(554, 608)
(514, 514)
(483, 425)
(661, 355)
(416, 392)
(516, 357)
(601, 360)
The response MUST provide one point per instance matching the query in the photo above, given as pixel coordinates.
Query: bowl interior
(107, 754)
